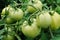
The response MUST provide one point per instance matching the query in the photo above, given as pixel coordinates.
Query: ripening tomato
(43, 20)
(55, 20)
(17, 14)
(30, 30)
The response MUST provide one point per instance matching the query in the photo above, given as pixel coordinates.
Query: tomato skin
(8, 37)
(31, 9)
(31, 30)
(17, 14)
(44, 20)
(55, 21)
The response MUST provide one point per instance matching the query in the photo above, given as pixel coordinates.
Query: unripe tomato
(8, 37)
(4, 11)
(31, 9)
(44, 20)
(55, 21)
(9, 20)
(11, 9)
(38, 5)
(17, 14)
(31, 30)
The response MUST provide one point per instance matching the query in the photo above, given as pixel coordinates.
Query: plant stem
(51, 33)
(17, 37)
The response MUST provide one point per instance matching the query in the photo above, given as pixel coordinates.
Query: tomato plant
(30, 20)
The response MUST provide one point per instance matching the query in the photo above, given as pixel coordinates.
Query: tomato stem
(17, 37)
(32, 14)
(51, 33)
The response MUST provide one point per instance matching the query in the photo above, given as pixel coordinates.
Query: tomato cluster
(32, 25)
(49, 19)
(12, 14)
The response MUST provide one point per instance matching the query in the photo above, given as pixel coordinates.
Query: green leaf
(44, 36)
(2, 22)
(1, 31)
(56, 38)
(1, 37)
(58, 1)
(24, 1)
(29, 39)
(57, 9)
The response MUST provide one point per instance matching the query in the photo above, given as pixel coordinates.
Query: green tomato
(11, 10)
(31, 9)
(17, 14)
(5, 11)
(8, 37)
(38, 5)
(30, 30)
(44, 20)
(55, 21)
(9, 20)
(57, 9)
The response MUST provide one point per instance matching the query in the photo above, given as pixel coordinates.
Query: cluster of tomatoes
(43, 19)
